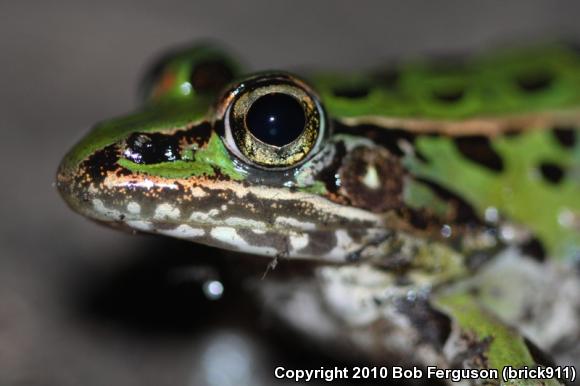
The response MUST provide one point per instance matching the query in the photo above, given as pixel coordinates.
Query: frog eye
(273, 121)
(195, 71)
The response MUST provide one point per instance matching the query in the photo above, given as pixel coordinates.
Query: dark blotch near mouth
(102, 161)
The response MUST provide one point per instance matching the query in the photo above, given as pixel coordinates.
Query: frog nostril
(151, 148)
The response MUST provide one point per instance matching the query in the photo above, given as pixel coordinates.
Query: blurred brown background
(84, 305)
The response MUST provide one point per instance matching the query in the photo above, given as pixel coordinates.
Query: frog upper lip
(63, 182)
(218, 203)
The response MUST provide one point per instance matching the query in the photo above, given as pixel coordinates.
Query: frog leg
(539, 297)
(359, 311)
(479, 339)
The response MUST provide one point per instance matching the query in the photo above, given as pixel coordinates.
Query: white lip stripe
(299, 241)
(133, 208)
(183, 231)
(166, 211)
(322, 205)
(294, 223)
(145, 226)
(100, 207)
(230, 236)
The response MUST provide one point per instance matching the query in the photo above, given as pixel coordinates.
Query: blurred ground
(84, 305)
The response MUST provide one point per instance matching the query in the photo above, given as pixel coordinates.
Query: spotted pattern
(535, 82)
(566, 136)
(349, 203)
(551, 172)
(479, 150)
(372, 179)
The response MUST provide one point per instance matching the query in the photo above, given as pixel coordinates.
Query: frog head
(244, 162)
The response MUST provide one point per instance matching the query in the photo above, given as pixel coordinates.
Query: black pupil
(276, 119)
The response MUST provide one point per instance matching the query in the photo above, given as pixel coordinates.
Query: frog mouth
(278, 232)
(284, 237)
(337, 245)
(223, 213)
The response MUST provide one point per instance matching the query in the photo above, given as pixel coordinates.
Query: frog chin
(329, 245)
(283, 236)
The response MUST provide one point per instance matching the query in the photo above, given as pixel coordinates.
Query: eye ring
(273, 121)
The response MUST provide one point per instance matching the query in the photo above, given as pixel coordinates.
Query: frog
(435, 202)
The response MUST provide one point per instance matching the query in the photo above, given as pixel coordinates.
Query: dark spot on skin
(418, 219)
(448, 96)
(351, 92)
(219, 175)
(551, 172)
(152, 148)
(386, 172)
(421, 157)
(197, 135)
(566, 136)
(464, 212)
(387, 79)
(102, 161)
(534, 82)
(534, 249)
(388, 138)
(329, 175)
(434, 326)
(478, 149)
(211, 76)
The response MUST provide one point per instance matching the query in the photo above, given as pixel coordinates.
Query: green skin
(439, 166)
